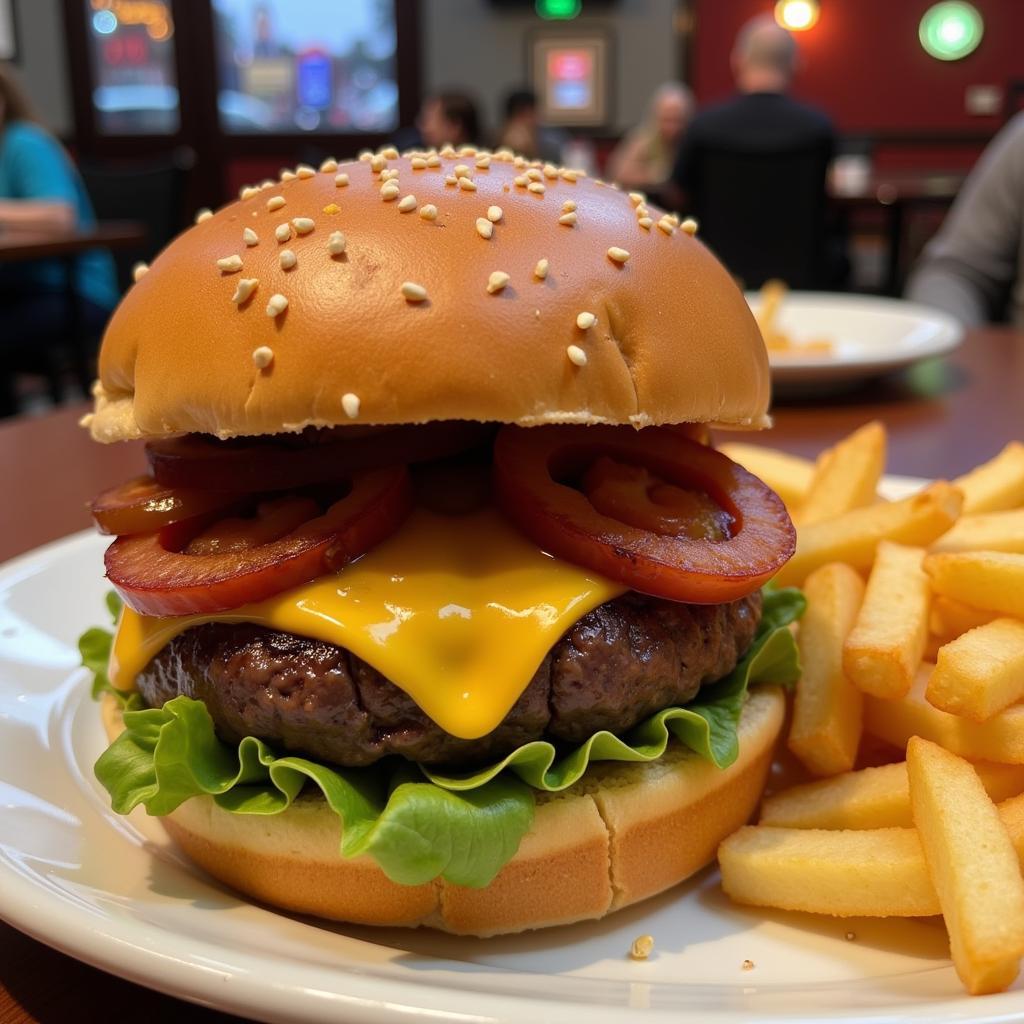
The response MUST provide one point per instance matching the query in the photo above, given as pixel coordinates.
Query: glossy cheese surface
(458, 611)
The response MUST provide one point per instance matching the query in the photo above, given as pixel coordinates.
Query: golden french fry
(853, 537)
(997, 484)
(950, 617)
(993, 531)
(788, 475)
(1000, 739)
(846, 476)
(870, 798)
(981, 672)
(992, 580)
(825, 729)
(876, 873)
(883, 652)
(973, 866)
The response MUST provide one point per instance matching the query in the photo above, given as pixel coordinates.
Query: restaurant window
(135, 85)
(286, 67)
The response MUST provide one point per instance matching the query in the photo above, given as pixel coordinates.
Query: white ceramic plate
(869, 336)
(111, 892)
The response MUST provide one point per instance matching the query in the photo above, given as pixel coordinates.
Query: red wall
(863, 63)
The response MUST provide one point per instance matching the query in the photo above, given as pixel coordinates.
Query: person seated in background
(644, 158)
(40, 190)
(449, 117)
(523, 132)
(974, 267)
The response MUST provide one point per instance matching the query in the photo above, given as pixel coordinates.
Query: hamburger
(438, 606)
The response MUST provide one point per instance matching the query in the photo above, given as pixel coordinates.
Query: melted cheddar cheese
(458, 612)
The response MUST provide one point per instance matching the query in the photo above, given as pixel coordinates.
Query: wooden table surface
(17, 244)
(943, 418)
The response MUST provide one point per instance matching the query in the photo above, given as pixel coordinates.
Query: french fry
(993, 531)
(853, 537)
(788, 475)
(883, 652)
(1000, 739)
(826, 725)
(871, 798)
(950, 617)
(973, 866)
(845, 476)
(981, 672)
(992, 580)
(872, 873)
(997, 484)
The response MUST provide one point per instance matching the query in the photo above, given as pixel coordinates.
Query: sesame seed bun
(193, 348)
(623, 833)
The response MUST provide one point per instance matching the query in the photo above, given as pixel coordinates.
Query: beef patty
(618, 664)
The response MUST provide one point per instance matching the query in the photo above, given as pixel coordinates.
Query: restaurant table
(943, 418)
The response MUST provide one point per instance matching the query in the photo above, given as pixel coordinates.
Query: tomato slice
(156, 575)
(535, 470)
(142, 505)
(284, 462)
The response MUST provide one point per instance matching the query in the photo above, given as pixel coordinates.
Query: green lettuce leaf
(94, 646)
(417, 824)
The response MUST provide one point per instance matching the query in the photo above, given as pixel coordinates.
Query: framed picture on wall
(571, 75)
(8, 31)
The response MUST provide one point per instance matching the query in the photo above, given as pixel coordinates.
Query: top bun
(672, 339)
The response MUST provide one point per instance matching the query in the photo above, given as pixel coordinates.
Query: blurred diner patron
(524, 133)
(41, 191)
(448, 117)
(644, 158)
(974, 267)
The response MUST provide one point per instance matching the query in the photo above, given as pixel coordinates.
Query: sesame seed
(204, 214)
(667, 226)
(378, 163)
(576, 355)
(748, 965)
(332, 208)
(497, 281)
(433, 160)
(504, 155)
(494, 214)
(414, 292)
(637, 198)
(389, 174)
(265, 184)
(390, 190)
(365, 156)
(428, 212)
(283, 232)
(642, 947)
(521, 180)
(408, 204)
(484, 228)
(287, 258)
(689, 226)
(537, 188)
(250, 237)
(645, 223)
(483, 162)
(277, 305)
(541, 270)
(550, 171)
(467, 184)
(569, 206)
(572, 175)
(390, 153)
(230, 264)
(287, 175)
(248, 192)
(519, 161)
(244, 289)
(350, 403)
(673, 219)
(329, 166)
(533, 174)
(617, 255)
(642, 211)
(418, 163)
(275, 203)
(139, 271)
(303, 225)
(461, 171)
(336, 243)
(585, 321)
(86, 420)
(304, 171)
(263, 357)
(568, 219)
(340, 180)
(450, 179)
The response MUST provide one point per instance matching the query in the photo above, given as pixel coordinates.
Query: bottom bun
(623, 833)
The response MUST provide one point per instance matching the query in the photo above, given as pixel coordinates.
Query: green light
(951, 30)
(559, 10)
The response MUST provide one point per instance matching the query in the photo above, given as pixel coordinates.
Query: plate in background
(869, 336)
(114, 893)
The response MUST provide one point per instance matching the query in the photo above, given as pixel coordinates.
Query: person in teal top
(40, 189)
